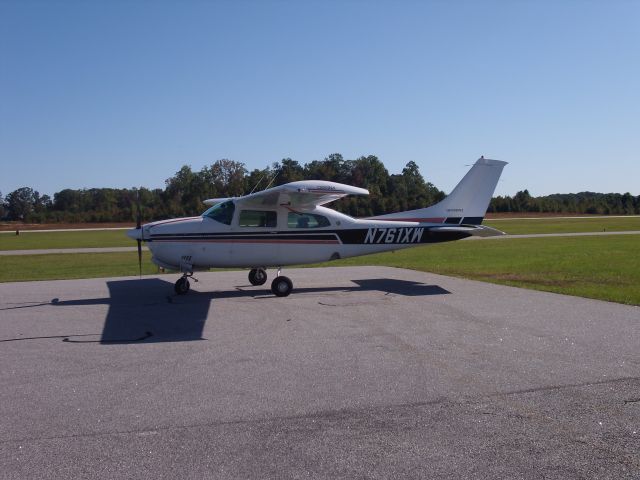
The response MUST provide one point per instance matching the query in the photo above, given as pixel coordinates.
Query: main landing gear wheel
(257, 276)
(281, 286)
(182, 286)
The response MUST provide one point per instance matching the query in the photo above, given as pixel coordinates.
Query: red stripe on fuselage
(248, 240)
(418, 220)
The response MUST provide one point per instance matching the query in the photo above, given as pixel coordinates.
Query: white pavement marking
(13, 232)
(545, 235)
(69, 250)
(560, 218)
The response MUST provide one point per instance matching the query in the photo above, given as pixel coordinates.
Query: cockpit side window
(306, 220)
(221, 212)
(258, 218)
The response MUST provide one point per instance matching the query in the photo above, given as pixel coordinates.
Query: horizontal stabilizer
(471, 230)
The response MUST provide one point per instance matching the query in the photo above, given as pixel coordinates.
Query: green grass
(79, 239)
(605, 268)
(15, 268)
(565, 225)
(117, 238)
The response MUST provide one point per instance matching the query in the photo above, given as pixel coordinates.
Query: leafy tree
(21, 203)
(288, 171)
(369, 172)
(522, 200)
(67, 200)
(185, 192)
(332, 168)
(226, 176)
(419, 193)
(257, 180)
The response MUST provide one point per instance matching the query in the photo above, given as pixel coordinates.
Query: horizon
(110, 95)
(195, 170)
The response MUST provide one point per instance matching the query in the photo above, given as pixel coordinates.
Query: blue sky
(120, 94)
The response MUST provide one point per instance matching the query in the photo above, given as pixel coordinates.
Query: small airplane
(288, 225)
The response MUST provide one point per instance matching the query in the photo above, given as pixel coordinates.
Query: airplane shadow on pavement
(143, 310)
(148, 311)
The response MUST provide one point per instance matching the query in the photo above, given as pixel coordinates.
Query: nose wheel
(257, 276)
(182, 285)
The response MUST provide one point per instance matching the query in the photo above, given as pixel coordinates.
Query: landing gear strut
(257, 276)
(281, 285)
(182, 285)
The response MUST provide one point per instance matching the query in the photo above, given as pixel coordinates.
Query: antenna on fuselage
(274, 177)
(262, 178)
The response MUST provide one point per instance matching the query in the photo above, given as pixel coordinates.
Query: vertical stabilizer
(466, 204)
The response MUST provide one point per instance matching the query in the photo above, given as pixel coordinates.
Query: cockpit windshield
(221, 212)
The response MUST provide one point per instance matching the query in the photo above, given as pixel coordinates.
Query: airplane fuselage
(274, 237)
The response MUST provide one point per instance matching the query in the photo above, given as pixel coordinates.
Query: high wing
(302, 195)
(215, 201)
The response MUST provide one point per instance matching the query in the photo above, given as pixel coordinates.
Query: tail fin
(466, 204)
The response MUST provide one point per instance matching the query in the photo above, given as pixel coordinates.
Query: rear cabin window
(306, 220)
(221, 212)
(258, 218)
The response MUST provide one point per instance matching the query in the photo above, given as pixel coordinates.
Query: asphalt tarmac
(363, 372)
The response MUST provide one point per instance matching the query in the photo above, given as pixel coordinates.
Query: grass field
(65, 266)
(565, 225)
(78, 239)
(117, 238)
(605, 268)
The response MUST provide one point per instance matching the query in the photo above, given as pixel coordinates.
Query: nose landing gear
(257, 276)
(182, 285)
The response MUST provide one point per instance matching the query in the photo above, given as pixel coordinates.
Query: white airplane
(288, 225)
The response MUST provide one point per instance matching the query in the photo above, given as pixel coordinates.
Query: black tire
(182, 286)
(257, 276)
(281, 286)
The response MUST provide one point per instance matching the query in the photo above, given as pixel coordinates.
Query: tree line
(582, 203)
(185, 191)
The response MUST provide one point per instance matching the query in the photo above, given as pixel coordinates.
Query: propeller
(139, 227)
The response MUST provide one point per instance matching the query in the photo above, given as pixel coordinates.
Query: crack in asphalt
(331, 414)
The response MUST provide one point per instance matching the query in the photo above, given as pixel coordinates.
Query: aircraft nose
(135, 233)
